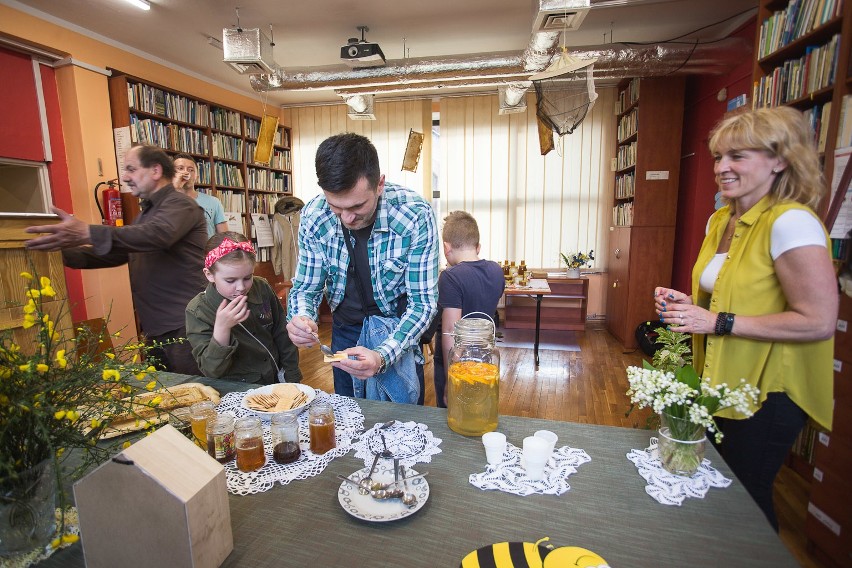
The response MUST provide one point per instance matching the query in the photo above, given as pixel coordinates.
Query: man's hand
(366, 366)
(301, 330)
(70, 232)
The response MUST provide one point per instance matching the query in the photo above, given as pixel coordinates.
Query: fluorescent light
(141, 4)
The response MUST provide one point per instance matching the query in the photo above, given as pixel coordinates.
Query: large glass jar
(473, 375)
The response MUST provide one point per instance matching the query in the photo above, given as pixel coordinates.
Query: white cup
(495, 446)
(535, 455)
(548, 437)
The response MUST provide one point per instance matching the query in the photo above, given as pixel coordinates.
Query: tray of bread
(143, 414)
(287, 398)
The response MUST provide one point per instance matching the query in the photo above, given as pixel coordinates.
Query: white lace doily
(509, 476)
(409, 442)
(668, 488)
(348, 422)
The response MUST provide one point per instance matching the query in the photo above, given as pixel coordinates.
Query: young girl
(237, 327)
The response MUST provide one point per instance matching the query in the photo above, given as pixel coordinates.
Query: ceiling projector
(361, 53)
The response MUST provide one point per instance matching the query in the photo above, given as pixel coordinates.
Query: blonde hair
(782, 132)
(460, 230)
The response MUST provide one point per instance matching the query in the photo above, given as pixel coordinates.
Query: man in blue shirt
(372, 248)
(186, 174)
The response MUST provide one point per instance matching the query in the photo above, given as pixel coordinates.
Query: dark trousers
(172, 352)
(344, 336)
(755, 448)
(440, 378)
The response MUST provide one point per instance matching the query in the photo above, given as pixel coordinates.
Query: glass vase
(681, 445)
(27, 509)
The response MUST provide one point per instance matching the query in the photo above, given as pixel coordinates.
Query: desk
(538, 289)
(607, 510)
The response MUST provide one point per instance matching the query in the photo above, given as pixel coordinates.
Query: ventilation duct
(558, 16)
(512, 98)
(248, 52)
(360, 107)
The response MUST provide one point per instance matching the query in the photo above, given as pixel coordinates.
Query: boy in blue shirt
(469, 284)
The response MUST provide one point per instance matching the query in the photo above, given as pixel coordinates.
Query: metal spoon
(326, 350)
(408, 498)
(386, 453)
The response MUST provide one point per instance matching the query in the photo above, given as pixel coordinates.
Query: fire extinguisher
(111, 212)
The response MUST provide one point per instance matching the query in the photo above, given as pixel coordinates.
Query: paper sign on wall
(262, 229)
(123, 142)
(660, 174)
(235, 222)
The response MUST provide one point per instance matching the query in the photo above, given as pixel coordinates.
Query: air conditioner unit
(249, 52)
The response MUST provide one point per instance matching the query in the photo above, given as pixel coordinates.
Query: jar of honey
(200, 414)
(249, 435)
(220, 438)
(473, 375)
(285, 438)
(321, 424)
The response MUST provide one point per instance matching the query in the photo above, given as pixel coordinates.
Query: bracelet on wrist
(724, 323)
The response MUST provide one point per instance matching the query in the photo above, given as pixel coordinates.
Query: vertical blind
(528, 206)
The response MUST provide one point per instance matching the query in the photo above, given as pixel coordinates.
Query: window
(24, 187)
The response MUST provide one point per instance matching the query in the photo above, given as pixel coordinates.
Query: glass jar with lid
(473, 376)
(249, 435)
(285, 438)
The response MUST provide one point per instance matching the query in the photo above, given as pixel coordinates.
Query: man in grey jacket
(163, 248)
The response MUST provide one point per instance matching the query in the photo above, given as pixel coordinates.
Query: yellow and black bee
(532, 555)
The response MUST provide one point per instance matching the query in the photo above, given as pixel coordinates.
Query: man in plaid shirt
(388, 267)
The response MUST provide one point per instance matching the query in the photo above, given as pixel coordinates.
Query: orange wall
(87, 129)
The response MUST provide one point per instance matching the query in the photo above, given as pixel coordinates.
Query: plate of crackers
(286, 398)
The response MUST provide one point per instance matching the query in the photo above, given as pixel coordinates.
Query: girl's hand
(229, 314)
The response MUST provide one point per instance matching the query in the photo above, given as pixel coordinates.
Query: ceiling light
(141, 4)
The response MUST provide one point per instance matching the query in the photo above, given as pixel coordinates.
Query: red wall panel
(20, 131)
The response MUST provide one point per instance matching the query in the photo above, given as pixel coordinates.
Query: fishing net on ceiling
(565, 92)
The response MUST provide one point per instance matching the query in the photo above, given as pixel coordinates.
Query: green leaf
(647, 365)
(689, 376)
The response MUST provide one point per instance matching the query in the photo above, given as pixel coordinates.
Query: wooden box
(161, 502)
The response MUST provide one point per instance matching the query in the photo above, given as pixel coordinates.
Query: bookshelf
(803, 60)
(649, 116)
(222, 141)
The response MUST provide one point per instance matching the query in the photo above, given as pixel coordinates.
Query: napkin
(509, 476)
(670, 489)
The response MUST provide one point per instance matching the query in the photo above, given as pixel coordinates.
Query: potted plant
(574, 261)
(57, 395)
(684, 402)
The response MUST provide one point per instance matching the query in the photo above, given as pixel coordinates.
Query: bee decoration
(532, 555)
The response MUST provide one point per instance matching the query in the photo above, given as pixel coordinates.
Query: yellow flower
(26, 275)
(150, 386)
(60, 359)
(46, 288)
(5, 372)
(72, 415)
(110, 355)
(156, 400)
(96, 423)
(140, 375)
(59, 414)
(125, 389)
(33, 294)
(111, 374)
(125, 445)
(42, 368)
(59, 452)
(24, 368)
(117, 334)
(30, 307)
(69, 538)
(29, 320)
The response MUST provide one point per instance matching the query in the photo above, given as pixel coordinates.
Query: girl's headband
(227, 246)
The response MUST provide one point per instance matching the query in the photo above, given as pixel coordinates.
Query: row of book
(168, 136)
(626, 156)
(176, 107)
(628, 96)
(628, 125)
(203, 169)
(263, 203)
(234, 201)
(228, 175)
(622, 214)
(816, 69)
(625, 186)
(806, 442)
(227, 147)
(264, 254)
(224, 119)
(799, 18)
(268, 180)
(839, 248)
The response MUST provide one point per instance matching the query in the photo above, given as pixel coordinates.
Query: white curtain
(528, 206)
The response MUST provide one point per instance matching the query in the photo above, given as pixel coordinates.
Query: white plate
(267, 389)
(367, 508)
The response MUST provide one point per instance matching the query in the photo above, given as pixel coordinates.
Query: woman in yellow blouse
(764, 301)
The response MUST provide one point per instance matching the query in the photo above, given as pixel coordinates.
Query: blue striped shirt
(403, 252)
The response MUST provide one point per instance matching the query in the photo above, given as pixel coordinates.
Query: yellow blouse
(747, 285)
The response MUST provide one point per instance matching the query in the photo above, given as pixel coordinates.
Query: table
(539, 289)
(606, 510)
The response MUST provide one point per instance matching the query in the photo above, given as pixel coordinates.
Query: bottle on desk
(522, 269)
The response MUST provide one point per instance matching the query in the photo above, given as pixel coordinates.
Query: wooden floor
(585, 386)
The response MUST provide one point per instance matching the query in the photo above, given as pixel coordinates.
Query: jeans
(344, 336)
(755, 448)
(173, 355)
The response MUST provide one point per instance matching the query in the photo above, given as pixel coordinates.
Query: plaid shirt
(403, 252)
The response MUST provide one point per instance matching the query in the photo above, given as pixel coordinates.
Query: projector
(362, 54)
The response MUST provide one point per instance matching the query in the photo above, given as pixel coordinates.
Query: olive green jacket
(244, 359)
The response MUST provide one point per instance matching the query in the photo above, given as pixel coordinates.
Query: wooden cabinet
(563, 309)
(222, 141)
(641, 246)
